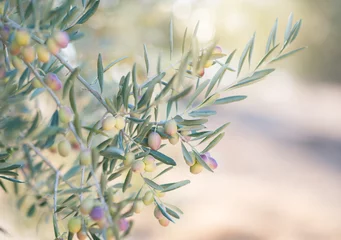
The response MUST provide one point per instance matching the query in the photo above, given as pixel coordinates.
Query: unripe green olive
(17, 63)
(138, 167)
(154, 140)
(86, 206)
(130, 158)
(74, 224)
(85, 157)
(28, 54)
(82, 235)
(164, 222)
(36, 83)
(148, 198)
(64, 148)
(66, 114)
(52, 46)
(174, 139)
(171, 127)
(52, 81)
(22, 38)
(43, 54)
(62, 39)
(110, 234)
(150, 167)
(138, 206)
(109, 123)
(157, 213)
(196, 168)
(120, 123)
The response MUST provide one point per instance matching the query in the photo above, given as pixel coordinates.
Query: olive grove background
(280, 161)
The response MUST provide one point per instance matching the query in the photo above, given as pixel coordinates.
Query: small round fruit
(62, 39)
(43, 54)
(103, 223)
(171, 127)
(53, 148)
(217, 50)
(150, 167)
(66, 114)
(85, 157)
(154, 140)
(157, 213)
(123, 224)
(148, 198)
(174, 139)
(138, 206)
(17, 63)
(82, 235)
(15, 48)
(36, 83)
(164, 222)
(201, 72)
(86, 206)
(5, 32)
(28, 53)
(110, 234)
(109, 123)
(211, 162)
(130, 158)
(74, 224)
(196, 168)
(120, 123)
(138, 167)
(52, 46)
(148, 159)
(64, 148)
(97, 213)
(53, 82)
(22, 38)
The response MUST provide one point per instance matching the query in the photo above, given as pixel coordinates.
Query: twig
(55, 203)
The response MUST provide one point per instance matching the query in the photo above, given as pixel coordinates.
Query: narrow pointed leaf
(100, 72)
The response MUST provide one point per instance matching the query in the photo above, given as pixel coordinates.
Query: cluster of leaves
(24, 136)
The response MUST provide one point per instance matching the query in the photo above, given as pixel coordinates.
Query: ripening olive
(171, 127)
(74, 224)
(52, 46)
(97, 213)
(154, 140)
(65, 114)
(164, 222)
(62, 39)
(28, 54)
(174, 139)
(138, 167)
(123, 224)
(22, 37)
(129, 159)
(86, 206)
(52, 81)
(43, 54)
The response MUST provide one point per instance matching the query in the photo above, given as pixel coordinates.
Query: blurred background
(280, 161)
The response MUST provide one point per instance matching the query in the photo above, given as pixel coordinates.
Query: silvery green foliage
(105, 174)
